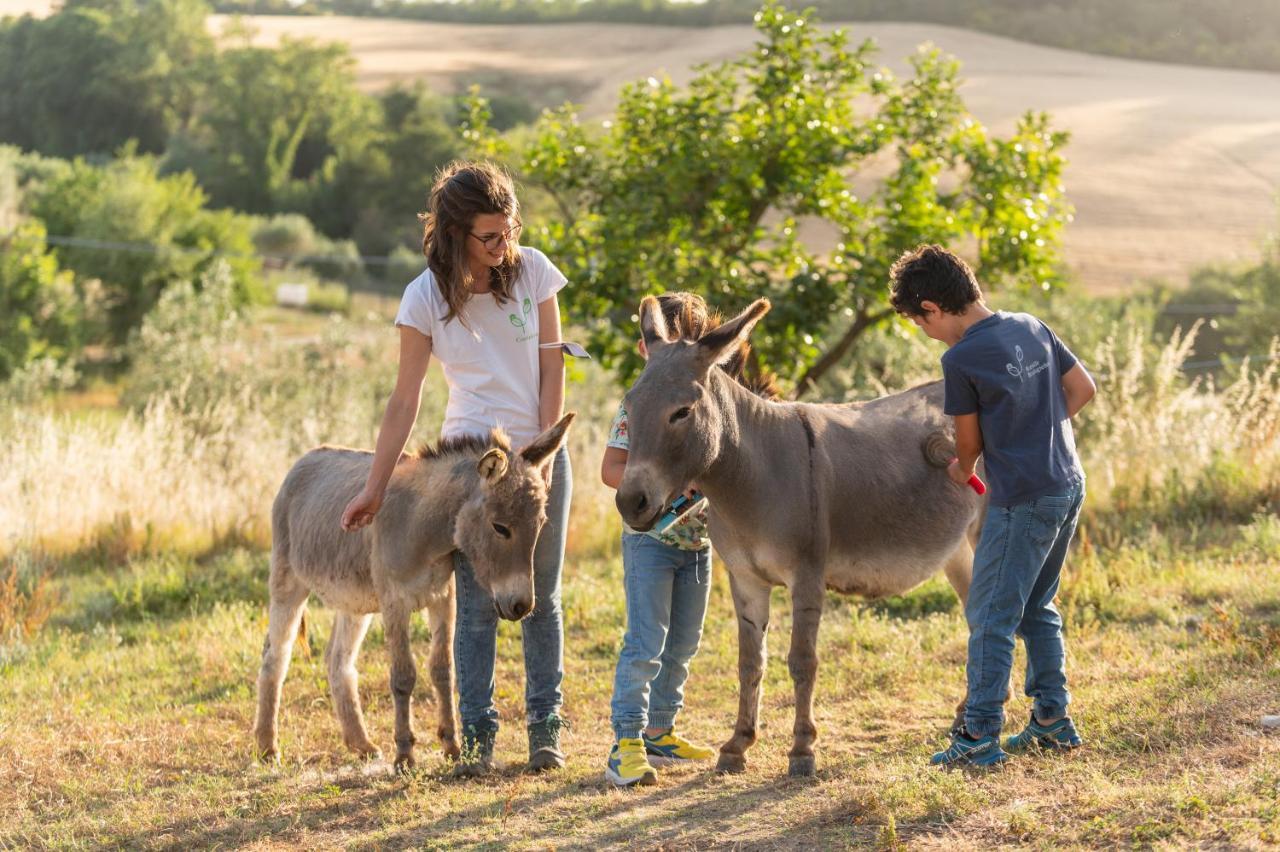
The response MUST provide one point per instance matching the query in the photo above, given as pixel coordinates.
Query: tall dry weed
(27, 599)
(1153, 420)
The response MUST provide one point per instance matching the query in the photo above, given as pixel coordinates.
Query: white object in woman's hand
(360, 511)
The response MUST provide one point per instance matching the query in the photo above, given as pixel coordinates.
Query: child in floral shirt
(667, 576)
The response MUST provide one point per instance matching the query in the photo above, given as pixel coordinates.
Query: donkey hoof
(404, 764)
(369, 755)
(270, 755)
(802, 766)
(452, 749)
(730, 763)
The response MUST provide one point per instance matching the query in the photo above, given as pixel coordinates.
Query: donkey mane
(463, 445)
(763, 384)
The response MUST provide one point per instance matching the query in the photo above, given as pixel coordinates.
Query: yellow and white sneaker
(670, 748)
(628, 765)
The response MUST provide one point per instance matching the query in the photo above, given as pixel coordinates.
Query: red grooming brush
(975, 482)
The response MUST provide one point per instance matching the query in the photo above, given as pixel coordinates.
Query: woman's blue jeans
(475, 639)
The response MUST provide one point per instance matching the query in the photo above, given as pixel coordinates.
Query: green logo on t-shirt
(523, 323)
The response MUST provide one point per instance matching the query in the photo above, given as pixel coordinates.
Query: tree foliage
(138, 232)
(272, 124)
(38, 306)
(264, 130)
(99, 73)
(706, 188)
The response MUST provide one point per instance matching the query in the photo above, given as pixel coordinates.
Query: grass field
(127, 722)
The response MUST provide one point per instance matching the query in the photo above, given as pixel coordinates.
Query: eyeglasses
(492, 241)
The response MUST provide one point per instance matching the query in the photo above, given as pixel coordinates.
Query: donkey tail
(939, 448)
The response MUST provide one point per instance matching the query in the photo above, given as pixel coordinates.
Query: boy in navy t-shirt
(1012, 387)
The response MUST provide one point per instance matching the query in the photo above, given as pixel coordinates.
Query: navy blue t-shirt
(1008, 369)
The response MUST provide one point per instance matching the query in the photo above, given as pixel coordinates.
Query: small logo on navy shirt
(1024, 370)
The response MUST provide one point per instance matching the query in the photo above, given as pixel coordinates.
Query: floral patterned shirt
(690, 532)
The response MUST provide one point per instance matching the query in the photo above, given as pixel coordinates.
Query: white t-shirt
(491, 363)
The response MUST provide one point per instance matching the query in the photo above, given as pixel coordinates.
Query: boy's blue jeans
(475, 639)
(667, 590)
(1015, 578)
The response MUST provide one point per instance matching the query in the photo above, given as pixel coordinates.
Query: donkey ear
(492, 465)
(653, 325)
(723, 342)
(545, 445)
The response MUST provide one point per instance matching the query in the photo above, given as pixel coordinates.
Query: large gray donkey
(852, 498)
(471, 494)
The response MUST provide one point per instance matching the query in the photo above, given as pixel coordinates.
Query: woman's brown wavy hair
(463, 191)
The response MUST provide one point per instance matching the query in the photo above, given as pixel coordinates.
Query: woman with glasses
(486, 307)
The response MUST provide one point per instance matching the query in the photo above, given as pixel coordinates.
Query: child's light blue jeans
(667, 590)
(1015, 578)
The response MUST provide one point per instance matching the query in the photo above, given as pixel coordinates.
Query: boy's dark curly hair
(931, 273)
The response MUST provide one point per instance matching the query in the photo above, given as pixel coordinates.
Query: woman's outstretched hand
(360, 511)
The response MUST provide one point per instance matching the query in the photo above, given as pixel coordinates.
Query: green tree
(374, 196)
(98, 73)
(274, 123)
(38, 308)
(138, 232)
(706, 188)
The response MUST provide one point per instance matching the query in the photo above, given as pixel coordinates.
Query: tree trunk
(862, 321)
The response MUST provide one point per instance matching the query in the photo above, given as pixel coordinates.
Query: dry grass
(27, 599)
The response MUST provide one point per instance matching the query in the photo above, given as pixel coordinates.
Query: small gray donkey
(472, 494)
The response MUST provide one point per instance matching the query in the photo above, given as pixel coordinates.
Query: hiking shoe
(477, 752)
(967, 751)
(1057, 736)
(670, 748)
(628, 765)
(544, 744)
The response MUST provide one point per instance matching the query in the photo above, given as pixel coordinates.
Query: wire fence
(371, 284)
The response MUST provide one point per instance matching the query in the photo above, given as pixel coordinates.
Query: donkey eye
(502, 531)
(680, 414)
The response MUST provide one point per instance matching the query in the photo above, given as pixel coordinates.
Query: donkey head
(498, 526)
(676, 420)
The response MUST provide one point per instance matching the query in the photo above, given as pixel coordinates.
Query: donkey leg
(807, 598)
(288, 602)
(344, 645)
(751, 603)
(441, 614)
(395, 621)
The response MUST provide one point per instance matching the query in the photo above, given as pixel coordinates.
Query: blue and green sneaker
(1056, 736)
(967, 751)
(669, 748)
(628, 765)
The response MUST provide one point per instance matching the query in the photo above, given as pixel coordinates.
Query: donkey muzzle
(513, 609)
(638, 509)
